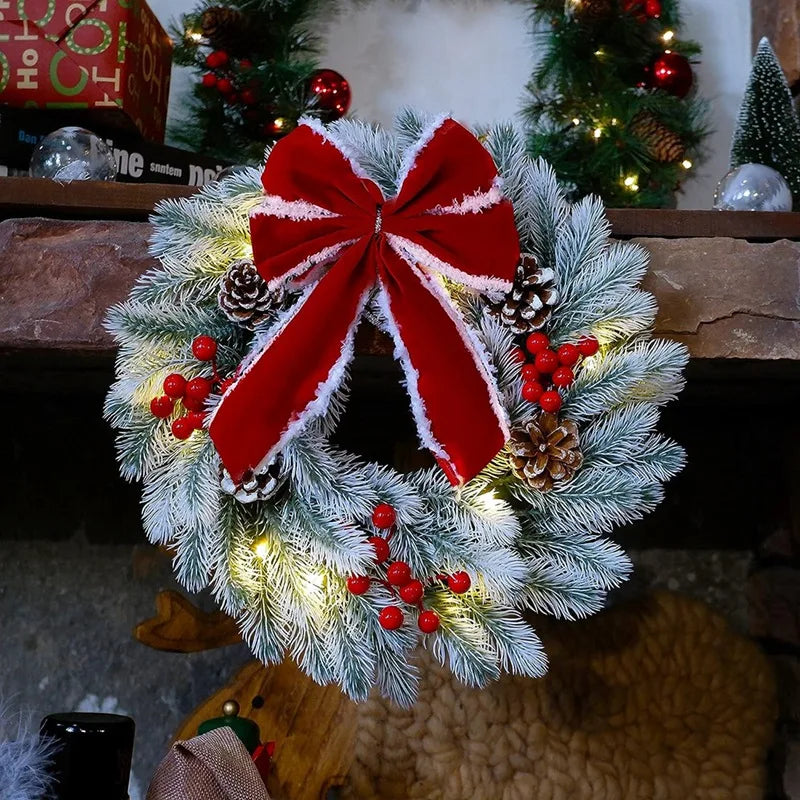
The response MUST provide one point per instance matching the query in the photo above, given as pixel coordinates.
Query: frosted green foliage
(280, 566)
(768, 130)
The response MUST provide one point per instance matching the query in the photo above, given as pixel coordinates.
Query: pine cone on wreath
(529, 304)
(225, 29)
(261, 485)
(662, 143)
(545, 451)
(244, 296)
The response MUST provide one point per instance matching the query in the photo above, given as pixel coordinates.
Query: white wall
(473, 58)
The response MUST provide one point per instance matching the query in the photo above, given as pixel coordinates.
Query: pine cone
(662, 143)
(589, 10)
(261, 485)
(545, 451)
(529, 304)
(244, 296)
(226, 29)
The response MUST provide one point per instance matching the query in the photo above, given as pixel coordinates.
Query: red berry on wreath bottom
(384, 516)
(197, 418)
(550, 402)
(198, 388)
(530, 373)
(204, 348)
(459, 582)
(546, 362)
(563, 376)
(588, 346)
(399, 573)
(162, 406)
(358, 584)
(428, 622)
(412, 592)
(390, 618)
(209, 80)
(537, 342)
(381, 548)
(532, 391)
(194, 403)
(182, 428)
(568, 355)
(174, 385)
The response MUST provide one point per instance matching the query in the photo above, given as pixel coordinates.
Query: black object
(93, 760)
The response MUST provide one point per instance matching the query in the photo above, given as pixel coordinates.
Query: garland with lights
(256, 75)
(533, 379)
(612, 102)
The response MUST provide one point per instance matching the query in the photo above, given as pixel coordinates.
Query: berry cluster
(191, 393)
(550, 370)
(400, 581)
(642, 9)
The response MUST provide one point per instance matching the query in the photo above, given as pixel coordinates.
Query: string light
(195, 36)
(573, 5)
(667, 36)
(631, 183)
(614, 121)
(576, 121)
(598, 132)
(279, 123)
(686, 164)
(261, 549)
(599, 53)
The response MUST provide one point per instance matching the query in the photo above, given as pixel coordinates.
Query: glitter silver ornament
(753, 187)
(73, 154)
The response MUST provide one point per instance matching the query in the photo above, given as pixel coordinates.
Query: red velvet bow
(323, 224)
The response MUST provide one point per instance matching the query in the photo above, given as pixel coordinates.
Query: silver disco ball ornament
(753, 187)
(73, 154)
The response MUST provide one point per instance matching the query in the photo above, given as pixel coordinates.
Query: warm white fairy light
(686, 164)
(261, 549)
(615, 121)
(576, 121)
(631, 183)
(667, 36)
(195, 36)
(598, 132)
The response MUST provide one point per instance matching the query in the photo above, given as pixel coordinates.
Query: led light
(686, 164)
(667, 36)
(279, 123)
(614, 121)
(194, 36)
(631, 183)
(598, 132)
(261, 549)
(576, 121)
(599, 53)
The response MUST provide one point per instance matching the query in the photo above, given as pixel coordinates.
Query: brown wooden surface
(779, 20)
(313, 727)
(181, 627)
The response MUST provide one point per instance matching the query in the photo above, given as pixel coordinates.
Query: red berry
(217, 59)
(530, 373)
(198, 388)
(390, 618)
(550, 402)
(563, 376)
(546, 361)
(225, 86)
(245, 63)
(194, 403)
(174, 385)
(588, 346)
(249, 97)
(399, 573)
(226, 384)
(568, 355)
(162, 406)
(459, 582)
(182, 428)
(532, 391)
(381, 548)
(384, 516)
(197, 419)
(412, 592)
(652, 8)
(537, 342)
(204, 348)
(358, 584)
(518, 355)
(428, 621)
(209, 80)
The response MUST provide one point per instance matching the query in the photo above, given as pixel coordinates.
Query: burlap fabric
(214, 766)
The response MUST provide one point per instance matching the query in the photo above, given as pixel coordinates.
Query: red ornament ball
(412, 592)
(182, 428)
(588, 346)
(399, 573)
(550, 402)
(381, 548)
(332, 92)
(174, 385)
(518, 355)
(198, 388)
(428, 622)
(194, 403)
(358, 584)
(217, 59)
(563, 376)
(532, 391)
(209, 80)
(459, 582)
(652, 8)
(245, 63)
(537, 342)
(390, 618)
(672, 72)
(530, 373)
(546, 362)
(568, 355)
(384, 516)
(197, 419)
(162, 406)
(204, 348)
(225, 86)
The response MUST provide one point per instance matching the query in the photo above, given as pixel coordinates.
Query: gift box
(90, 54)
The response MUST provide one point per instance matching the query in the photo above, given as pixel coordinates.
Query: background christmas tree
(768, 131)
(256, 75)
(612, 105)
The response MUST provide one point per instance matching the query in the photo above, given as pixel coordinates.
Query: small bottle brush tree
(768, 131)
(255, 62)
(611, 104)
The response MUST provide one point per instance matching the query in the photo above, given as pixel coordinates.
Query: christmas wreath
(232, 375)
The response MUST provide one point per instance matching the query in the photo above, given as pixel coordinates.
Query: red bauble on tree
(672, 72)
(332, 92)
